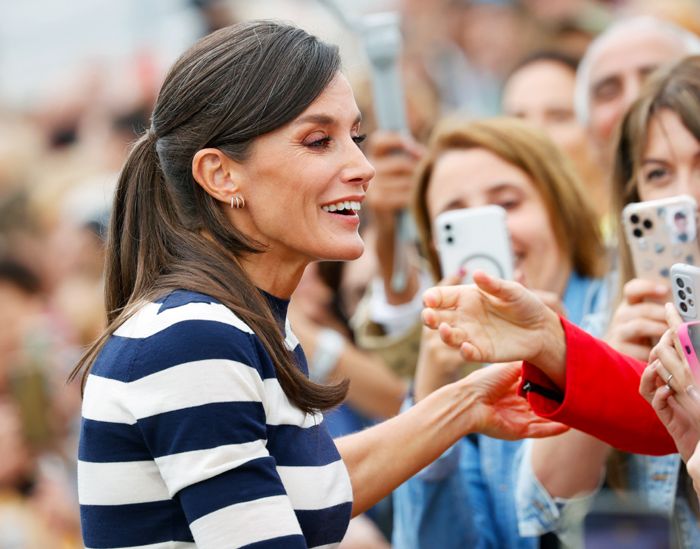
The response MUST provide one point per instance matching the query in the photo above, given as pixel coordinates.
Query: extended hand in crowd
(497, 321)
(394, 157)
(670, 387)
(639, 320)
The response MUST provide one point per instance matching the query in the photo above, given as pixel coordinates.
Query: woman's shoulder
(181, 327)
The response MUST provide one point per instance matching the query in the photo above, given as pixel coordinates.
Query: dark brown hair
(676, 88)
(166, 232)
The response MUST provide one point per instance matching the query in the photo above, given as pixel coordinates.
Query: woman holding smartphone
(467, 496)
(657, 156)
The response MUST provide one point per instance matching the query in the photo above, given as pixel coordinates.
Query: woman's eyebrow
(323, 119)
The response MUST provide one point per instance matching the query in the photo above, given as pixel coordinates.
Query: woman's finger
(432, 318)
(639, 289)
(640, 328)
(647, 383)
(503, 289)
(661, 398)
(445, 297)
(673, 365)
(673, 319)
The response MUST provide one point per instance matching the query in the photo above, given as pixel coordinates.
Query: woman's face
(469, 178)
(671, 161)
(543, 94)
(304, 182)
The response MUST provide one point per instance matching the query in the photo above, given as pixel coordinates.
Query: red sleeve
(601, 397)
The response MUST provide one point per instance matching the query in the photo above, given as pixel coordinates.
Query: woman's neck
(278, 276)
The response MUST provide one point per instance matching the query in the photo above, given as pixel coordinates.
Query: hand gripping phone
(689, 336)
(474, 238)
(685, 282)
(660, 233)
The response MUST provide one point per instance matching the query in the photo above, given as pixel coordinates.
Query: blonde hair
(571, 216)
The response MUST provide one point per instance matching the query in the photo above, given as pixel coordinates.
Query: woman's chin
(346, 251)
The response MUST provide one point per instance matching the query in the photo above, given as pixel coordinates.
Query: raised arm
(569, 376)
(382, 457)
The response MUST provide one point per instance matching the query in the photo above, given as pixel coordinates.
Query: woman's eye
(359, 138)
(656, 175)
(320, 143)
(508, 204)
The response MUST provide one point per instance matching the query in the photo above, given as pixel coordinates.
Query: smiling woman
(200, 424)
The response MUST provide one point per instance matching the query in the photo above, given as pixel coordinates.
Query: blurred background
(77, 82)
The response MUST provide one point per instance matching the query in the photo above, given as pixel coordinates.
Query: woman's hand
(677, 421)
(669, 386)
(639, 320)
(438, 364)
(498, 411)
(498, 321)
(394, 157)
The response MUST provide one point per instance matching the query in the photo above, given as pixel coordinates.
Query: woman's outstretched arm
(380, 458)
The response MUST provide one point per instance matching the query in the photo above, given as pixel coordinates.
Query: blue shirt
(467, 497)
(188, 438)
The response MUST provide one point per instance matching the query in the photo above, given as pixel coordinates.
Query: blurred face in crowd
(617, 74)
(470, 178)
(671, 161)
(542, 93)
(304, 183)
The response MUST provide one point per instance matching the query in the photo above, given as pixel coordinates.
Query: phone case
(474, 238)
(660, 233)
(685, 282)
(689, 336)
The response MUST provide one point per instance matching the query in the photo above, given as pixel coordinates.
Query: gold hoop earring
(240, 202)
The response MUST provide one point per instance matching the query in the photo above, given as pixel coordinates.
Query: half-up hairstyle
(166, 231)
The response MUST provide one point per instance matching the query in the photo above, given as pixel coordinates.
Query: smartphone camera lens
(638, 233)
(634, 218)
(448, 227)
(680, 283)
(450, 240)
(684, 307)
(681, 294)
(648, 224)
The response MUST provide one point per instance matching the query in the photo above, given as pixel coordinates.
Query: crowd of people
(168, 250)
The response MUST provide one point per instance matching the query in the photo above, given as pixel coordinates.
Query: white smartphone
(685, 281)
(660, 233)
(474, 238)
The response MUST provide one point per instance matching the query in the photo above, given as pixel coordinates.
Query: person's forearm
(600, 396)
(551, 358)
(375, 390)
(569, 465)
(431, 378)
(381, 458)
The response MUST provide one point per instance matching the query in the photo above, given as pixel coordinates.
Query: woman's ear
(216, 173)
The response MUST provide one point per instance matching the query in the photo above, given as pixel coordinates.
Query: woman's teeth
(341, 206)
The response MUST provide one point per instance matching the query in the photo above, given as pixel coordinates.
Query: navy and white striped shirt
(188, 440)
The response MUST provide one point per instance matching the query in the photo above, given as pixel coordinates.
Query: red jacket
(601, 397)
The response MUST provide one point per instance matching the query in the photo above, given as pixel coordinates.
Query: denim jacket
(466, 498)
